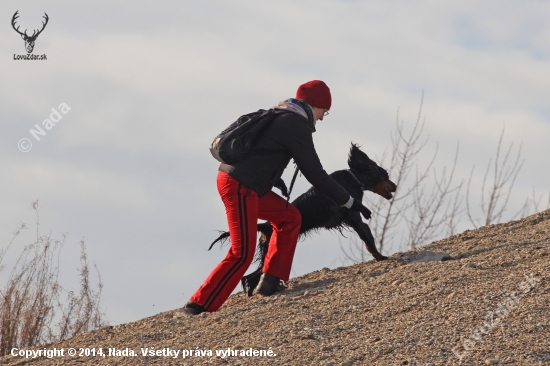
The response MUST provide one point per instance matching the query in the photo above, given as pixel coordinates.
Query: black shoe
(192, 308)
(268, 285)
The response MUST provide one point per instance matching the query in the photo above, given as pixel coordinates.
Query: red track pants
(244, 208)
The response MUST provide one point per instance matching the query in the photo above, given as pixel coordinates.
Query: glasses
(325, 113)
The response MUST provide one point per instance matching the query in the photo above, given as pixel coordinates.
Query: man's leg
(286, 222)
(241, 206)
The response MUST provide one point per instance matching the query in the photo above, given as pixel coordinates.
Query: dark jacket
(287, 136)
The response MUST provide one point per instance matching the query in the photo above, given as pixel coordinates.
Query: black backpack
(234, 143)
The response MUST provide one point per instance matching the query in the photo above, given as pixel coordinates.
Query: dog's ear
(357, 158)
(353, 155)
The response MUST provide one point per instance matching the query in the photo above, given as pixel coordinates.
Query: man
(245, 188)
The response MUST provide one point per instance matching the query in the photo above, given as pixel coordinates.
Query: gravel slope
(490, 304)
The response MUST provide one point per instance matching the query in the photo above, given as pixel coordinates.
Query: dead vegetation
(34, 307)
(431, 200)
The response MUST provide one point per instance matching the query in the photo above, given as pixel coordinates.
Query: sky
(146, 86)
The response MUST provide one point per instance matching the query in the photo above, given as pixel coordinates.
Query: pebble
(397, 282)
(491, 361)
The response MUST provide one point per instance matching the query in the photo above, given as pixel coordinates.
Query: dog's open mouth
(389, 194)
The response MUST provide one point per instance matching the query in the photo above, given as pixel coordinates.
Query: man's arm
(299, 143)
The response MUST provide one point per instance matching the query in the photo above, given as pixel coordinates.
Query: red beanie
(316, 93)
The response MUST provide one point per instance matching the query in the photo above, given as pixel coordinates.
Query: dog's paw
(248, 291)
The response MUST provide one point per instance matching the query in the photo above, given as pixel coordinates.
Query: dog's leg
(250, 281)
(363, 230)
(371, 246)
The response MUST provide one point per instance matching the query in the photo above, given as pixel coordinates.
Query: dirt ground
(489, 303)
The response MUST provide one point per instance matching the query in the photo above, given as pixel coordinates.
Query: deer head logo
(29, 40)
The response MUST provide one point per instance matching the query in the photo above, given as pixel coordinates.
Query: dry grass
(31, 308)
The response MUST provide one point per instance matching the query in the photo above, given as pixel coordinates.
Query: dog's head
(373, 177)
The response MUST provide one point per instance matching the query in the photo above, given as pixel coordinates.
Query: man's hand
(282, 187)
(358, 206)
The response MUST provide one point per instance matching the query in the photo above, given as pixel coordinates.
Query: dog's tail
(264, 228)
(222, 239)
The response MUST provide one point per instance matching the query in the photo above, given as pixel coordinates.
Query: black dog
(319, 212)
